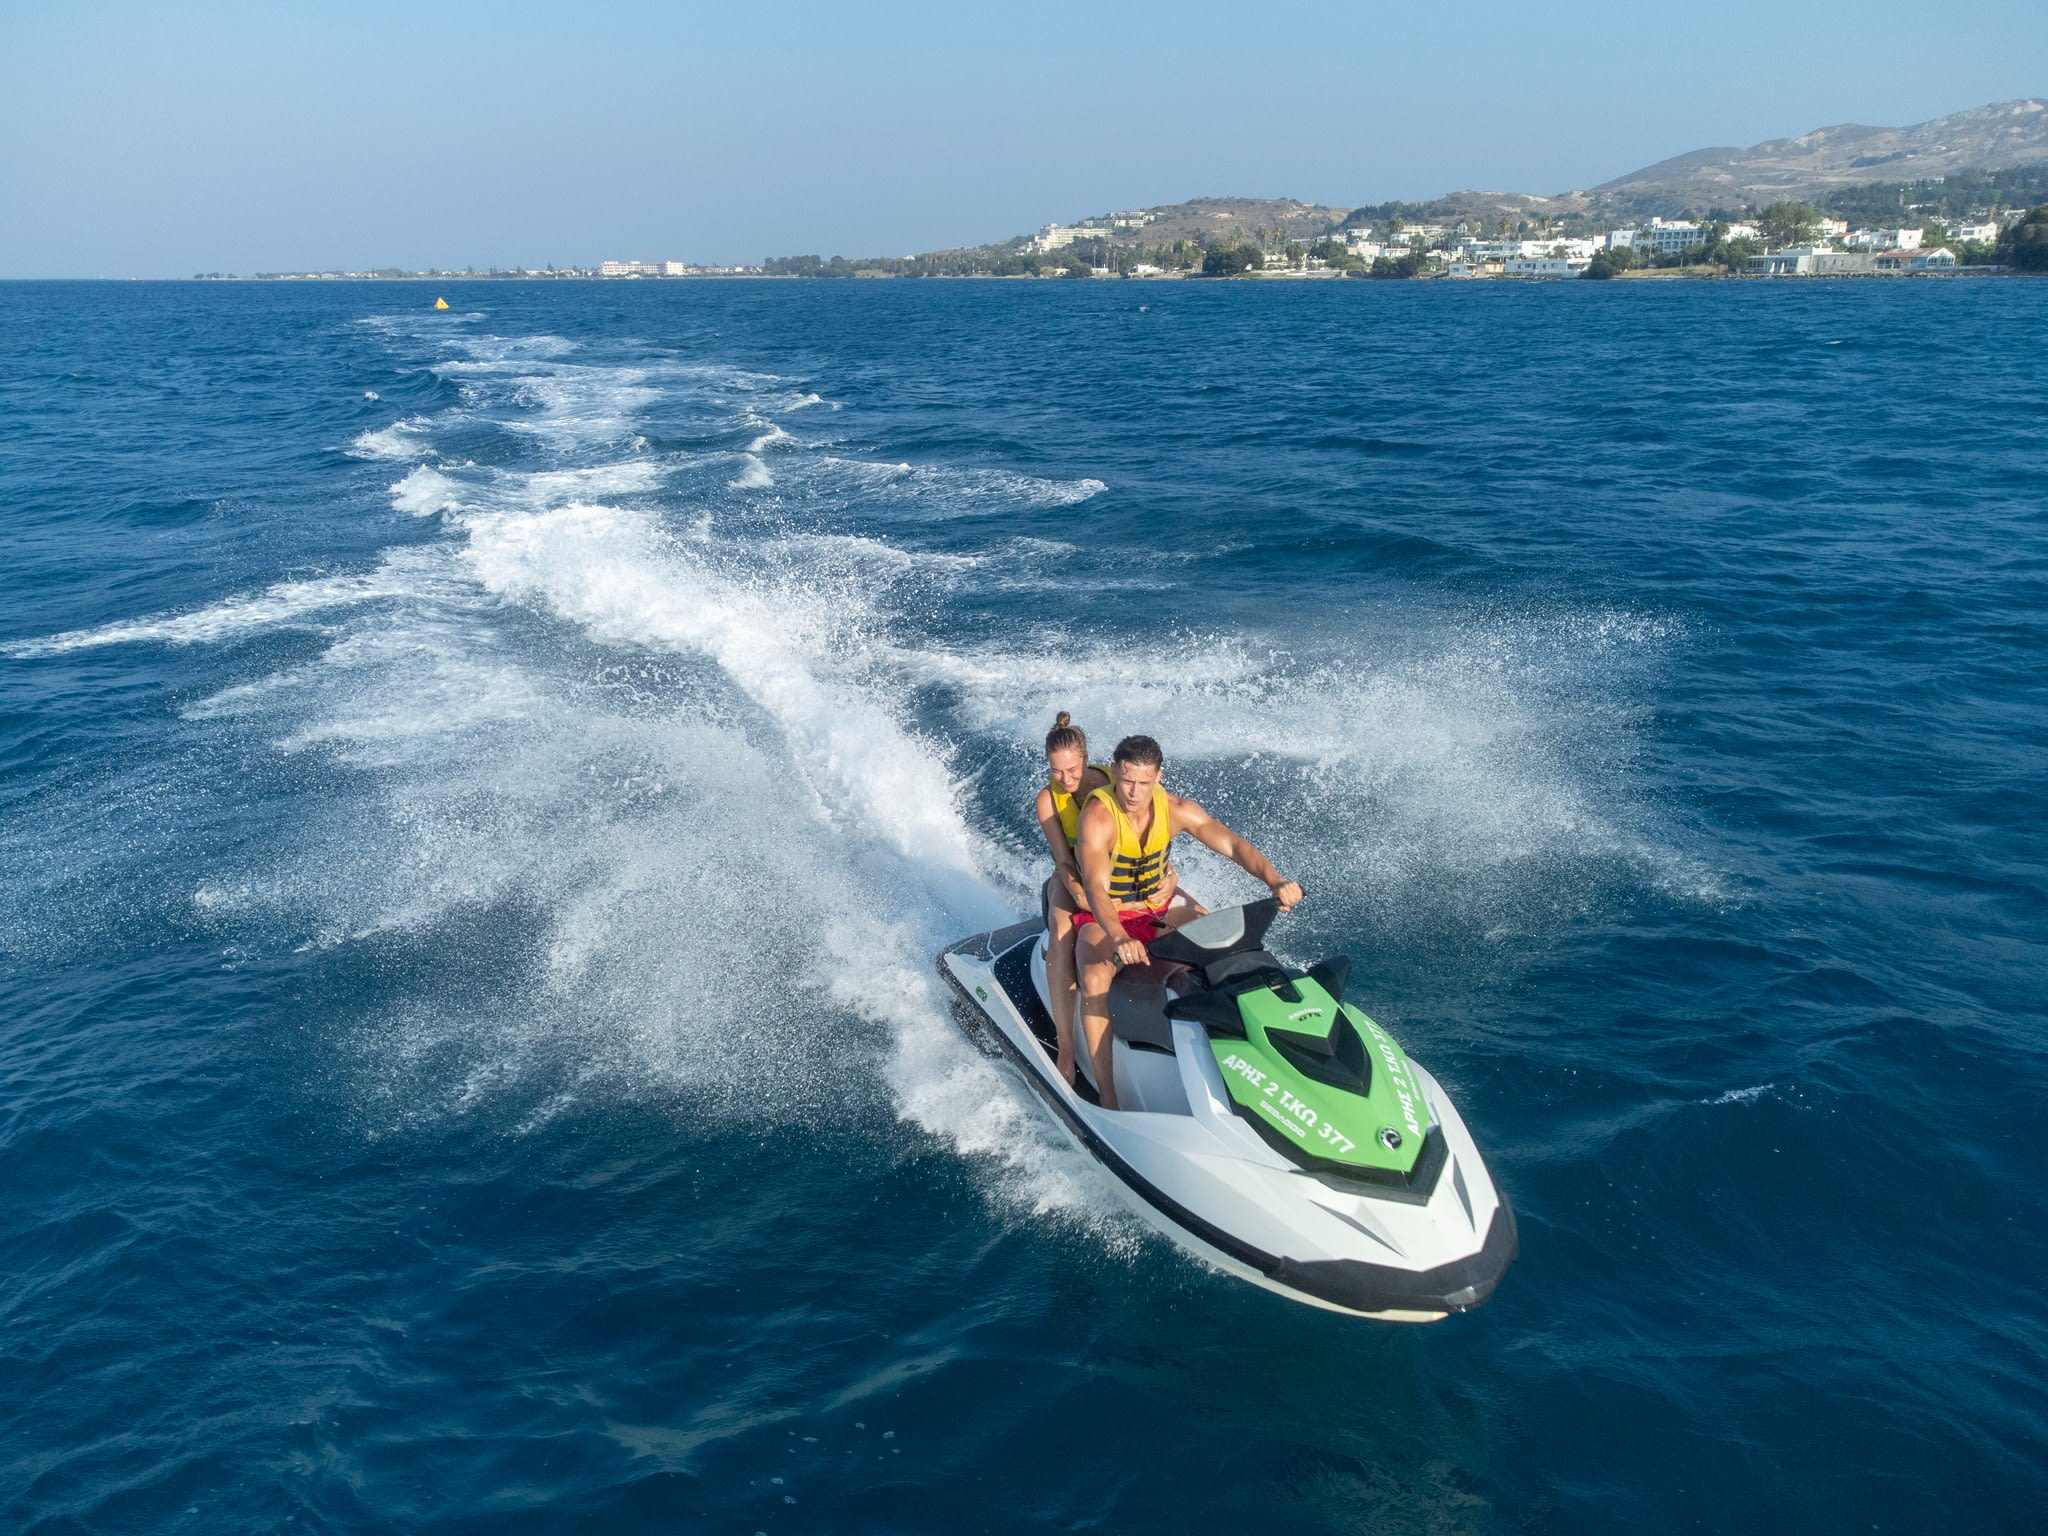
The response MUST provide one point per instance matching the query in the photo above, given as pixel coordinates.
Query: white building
(1744, 232)
(1796, 262)
(1545, 266)
(1885, 239)
(1833, 229)
(674, 269)
(1940, 259)
(1574, 248)
(1057, 237)
(1976, 234)
(1662, 237)
(1810, 261)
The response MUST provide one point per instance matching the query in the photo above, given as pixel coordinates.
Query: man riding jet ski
(1266, 1124)
(1126, 828)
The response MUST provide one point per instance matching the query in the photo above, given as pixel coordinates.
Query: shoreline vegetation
(1950, 226)
(1782, 240)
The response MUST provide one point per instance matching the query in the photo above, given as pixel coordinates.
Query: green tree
(1611, 262)
(2024, 246)
(1735, 253)
(1335, 253)
(1786, 224)
(1230, 260)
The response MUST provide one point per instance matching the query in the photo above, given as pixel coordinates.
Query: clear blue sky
(167, 139)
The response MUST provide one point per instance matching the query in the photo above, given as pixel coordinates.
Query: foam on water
(944, 487)
(288, 602)
(694, 681)
(1741, 1095)
(405, 439)
(424, 492)
(1469, 765)
(503, 777)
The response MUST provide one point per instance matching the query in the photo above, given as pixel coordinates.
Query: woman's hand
(1131, 952)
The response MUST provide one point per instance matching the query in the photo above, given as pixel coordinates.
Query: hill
(1988, 138)
(1993, 155)
(1226, 220)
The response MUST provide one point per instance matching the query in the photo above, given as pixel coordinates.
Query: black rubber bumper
(1455, 1287)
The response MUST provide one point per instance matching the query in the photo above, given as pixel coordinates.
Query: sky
(166, 139)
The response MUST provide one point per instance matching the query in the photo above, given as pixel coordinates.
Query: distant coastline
(1976, 203)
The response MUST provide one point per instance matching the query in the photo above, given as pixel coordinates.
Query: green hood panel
(1334, 1085)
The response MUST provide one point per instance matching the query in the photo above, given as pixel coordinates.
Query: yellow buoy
(440, 303)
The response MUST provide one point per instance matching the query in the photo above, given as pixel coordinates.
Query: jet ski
(1266, 1125)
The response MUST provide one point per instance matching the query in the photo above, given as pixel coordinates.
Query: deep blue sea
(480, 793)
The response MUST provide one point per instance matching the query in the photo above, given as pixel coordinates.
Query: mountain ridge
(1996, 136)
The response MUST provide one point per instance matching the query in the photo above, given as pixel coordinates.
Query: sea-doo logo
(1390, 1138)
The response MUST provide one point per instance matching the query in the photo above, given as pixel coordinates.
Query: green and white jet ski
(1267, 1125)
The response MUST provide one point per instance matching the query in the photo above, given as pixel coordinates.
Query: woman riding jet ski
(1266, 1125)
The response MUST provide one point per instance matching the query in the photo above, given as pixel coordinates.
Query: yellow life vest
(1139, 869)
(1070, 812)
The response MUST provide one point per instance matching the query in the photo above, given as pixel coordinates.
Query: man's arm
(1190, 818)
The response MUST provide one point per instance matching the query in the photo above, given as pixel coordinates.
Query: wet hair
(1064, 734)
(1139, 751)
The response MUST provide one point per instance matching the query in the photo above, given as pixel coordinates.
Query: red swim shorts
(1142, 926)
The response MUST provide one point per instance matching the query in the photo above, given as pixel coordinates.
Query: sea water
(480, 794)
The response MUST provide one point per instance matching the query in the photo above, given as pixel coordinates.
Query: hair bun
(1062, 720)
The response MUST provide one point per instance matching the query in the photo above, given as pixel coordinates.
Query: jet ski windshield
(1231, 931)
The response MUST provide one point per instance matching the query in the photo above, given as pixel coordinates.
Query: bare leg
(1098, 969)
(1059, 977)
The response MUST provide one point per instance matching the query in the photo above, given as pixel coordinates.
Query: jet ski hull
(1205, 1181)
